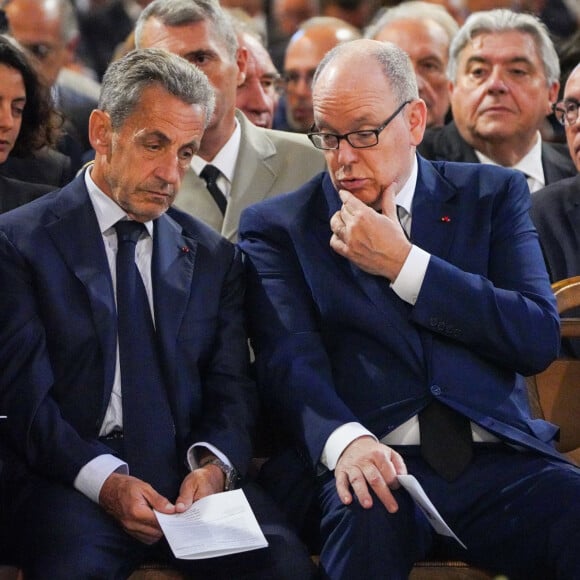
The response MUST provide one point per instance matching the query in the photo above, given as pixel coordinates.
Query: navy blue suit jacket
(58, 334)
(334, 344)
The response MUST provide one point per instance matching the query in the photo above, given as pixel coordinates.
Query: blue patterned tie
(148, 430)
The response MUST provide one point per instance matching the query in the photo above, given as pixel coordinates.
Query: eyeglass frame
(561, 112)
(312, 135)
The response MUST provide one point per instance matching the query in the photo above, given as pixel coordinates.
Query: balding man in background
(424, 31)
(308, 45)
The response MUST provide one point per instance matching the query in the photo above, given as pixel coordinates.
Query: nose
(6, 116)
(170, 169)
(346, 153)
(496, 83)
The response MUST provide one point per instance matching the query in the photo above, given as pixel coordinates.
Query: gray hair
(184, 12)
(502, 20)
(395, 63)
(127, 78)
(415, 10)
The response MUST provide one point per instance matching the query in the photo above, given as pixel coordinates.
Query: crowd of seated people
(501, 88)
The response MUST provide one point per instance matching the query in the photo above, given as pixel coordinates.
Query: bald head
(306, 49)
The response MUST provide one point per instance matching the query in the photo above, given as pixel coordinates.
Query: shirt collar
(530, 164)
(107, 211)
(226, 158)
(405, 197)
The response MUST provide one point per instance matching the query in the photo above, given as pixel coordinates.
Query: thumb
(388, 204)
(159, 502)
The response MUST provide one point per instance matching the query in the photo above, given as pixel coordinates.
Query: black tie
(210, 174)
(148, 431)
(446, 441)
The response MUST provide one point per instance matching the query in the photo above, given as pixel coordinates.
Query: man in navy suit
(365, 316)
(78, 508)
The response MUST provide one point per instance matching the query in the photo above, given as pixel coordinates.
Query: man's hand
(375, 242)
(367, 462)
(199, 483)
(131, 502)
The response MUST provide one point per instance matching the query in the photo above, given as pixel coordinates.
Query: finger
(343, 487)
(400, 467)
(360, 488)
(378, 483)
(158, 502)
(388, 203)
(336, 223)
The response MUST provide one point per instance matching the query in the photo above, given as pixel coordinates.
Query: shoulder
(552, 196)
(197, 230)
(288, 208)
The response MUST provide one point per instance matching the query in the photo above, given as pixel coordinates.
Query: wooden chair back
(555, 392)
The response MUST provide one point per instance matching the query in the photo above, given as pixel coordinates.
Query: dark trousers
(60, 534)
(518, 514)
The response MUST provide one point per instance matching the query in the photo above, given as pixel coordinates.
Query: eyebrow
(514, 60)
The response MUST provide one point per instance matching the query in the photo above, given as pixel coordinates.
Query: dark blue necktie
(148, 430)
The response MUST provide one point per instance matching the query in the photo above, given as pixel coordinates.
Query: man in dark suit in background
(394, 305)
(556, 209)
(504, 77)
(104, 425)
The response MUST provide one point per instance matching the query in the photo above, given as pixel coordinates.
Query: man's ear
(417, 116)
(242, 62)
(100, 131)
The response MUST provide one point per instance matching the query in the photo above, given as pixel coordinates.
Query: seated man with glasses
(555, 208)
(395, 306)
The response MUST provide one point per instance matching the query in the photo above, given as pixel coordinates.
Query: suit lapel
(85, 256)
(434, 212)
(195, 199)
(254, 174)
(172, 270)
(394, 312)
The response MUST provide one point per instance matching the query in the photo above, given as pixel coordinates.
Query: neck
(506, 152)
(215, 137)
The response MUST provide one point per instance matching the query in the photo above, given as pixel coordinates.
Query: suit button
(433, 321)
(435, 390)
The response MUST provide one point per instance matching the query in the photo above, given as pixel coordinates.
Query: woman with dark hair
(29, 127)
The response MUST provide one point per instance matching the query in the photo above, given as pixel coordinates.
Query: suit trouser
(517, 512)
(62, 535)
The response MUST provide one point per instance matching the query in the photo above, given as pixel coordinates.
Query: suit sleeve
(230, 398)
(35, 428)
(509, 314)
(294, 371)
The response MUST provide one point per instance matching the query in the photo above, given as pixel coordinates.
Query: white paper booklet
(216, 525)
(410, 483)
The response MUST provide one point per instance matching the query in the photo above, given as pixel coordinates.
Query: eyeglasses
(356, 139)
(566, 111)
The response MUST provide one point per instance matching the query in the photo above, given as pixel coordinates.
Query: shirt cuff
(192, 457)
(92, 476)
(407, 284)
(339, 440)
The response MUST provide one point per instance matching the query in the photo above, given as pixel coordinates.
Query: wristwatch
(230, 472)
